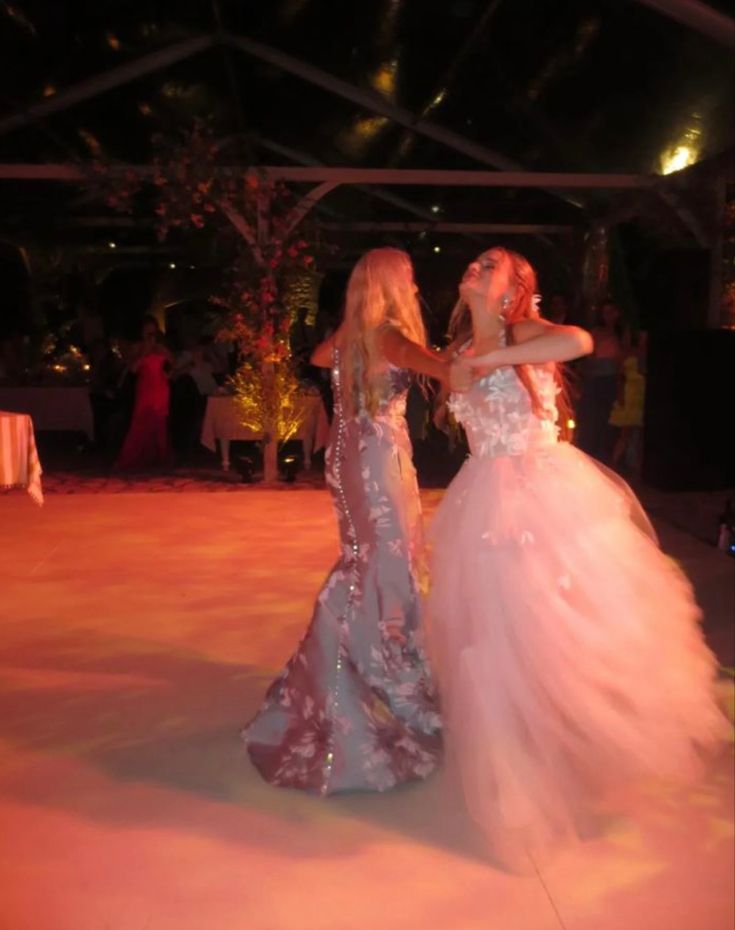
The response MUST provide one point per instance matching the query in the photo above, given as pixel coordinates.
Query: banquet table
(222, 422)
(19, 463)
(51, 408)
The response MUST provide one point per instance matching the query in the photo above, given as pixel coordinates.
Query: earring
(505, 302)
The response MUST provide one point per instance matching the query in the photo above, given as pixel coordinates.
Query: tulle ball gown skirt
(567, 644)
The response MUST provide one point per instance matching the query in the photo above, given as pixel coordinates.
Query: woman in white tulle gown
(567, 645)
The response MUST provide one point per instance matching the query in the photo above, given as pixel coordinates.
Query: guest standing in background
(627, 412)
(147, 442)
(600, 374)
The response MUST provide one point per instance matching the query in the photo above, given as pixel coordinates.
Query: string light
(261, 400)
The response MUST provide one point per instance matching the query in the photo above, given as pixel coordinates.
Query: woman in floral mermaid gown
(568, 652)
(355, 707)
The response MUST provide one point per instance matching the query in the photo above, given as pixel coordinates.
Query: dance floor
(138, 633)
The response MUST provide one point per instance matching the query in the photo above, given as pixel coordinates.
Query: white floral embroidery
(497, 413)
(396, 546)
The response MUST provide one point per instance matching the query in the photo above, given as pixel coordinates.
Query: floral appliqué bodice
(498, 416)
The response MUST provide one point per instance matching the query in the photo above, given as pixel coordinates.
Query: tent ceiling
(609, 86)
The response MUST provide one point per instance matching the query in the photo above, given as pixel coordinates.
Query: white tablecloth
(19, 463)
(51, 408)
(221, 421)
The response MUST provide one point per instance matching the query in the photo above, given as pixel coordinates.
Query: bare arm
(404, 353)
(537, 342)
(322, 354)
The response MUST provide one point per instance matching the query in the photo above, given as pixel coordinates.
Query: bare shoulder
(392, 340)
(388, 330)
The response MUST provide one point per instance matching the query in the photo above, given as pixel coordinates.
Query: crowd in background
(148, 398)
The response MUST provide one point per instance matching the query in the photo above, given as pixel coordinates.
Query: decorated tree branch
(259, 224)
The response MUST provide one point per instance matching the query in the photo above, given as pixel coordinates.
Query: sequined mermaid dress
(567, 646)
(355, 706)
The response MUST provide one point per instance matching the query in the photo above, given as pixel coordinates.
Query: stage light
(437, 249)
(685, 150)
(112, 245)
(172, 265)
(435, 208)
(290, 468)
(676, 159)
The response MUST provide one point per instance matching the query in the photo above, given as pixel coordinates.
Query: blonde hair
(380, 293)
(521, 307)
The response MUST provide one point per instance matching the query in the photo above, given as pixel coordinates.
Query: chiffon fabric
(568, 648)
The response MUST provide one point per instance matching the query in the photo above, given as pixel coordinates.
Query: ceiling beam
(391, 176)
(698, 16)
(108, 80)
(452, 178)
(509, 229)
(308, 161)
(60, 172)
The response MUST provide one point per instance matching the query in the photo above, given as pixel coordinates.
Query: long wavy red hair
(521, 307)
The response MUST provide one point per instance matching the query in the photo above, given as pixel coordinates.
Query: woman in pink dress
(568, 649)
(146, 442)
